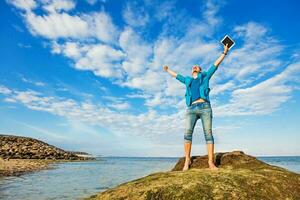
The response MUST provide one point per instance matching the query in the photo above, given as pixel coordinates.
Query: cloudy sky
(87, 75)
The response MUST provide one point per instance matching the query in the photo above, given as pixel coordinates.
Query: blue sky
(87, 75)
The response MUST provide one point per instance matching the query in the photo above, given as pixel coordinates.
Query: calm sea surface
(76, 180)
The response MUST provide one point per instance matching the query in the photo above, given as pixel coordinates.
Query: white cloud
(117, 103)
(181, 54)
(257, 56)
(26, 5)
(137, 52)
(160, 100)
(210, 12)
(37, 83)
(4, 90)
(135, 15)
(10, 100)
(168, 8)
(57, 25)
(174, 88)
(264, 97)
(138, 95)
(28, 97)
(93, 2)
(58, 5)
(25, 46)
(103, 60)
(251, 31)
(70, 49)
(56, 48)
(221, 88)
(43, 131)
(101, 27)
(120, 106)
(152, 123)
(149, 81)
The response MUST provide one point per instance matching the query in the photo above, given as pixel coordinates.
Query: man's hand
(220, 59)
(166, 67)
(226, 48)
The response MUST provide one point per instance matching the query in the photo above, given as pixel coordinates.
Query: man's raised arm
(221, 58)
(174, 74)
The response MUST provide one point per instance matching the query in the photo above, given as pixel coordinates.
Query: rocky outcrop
(18, 147)
(233, 160)
(240, 176)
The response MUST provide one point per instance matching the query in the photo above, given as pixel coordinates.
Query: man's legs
(190, 121)
(187, 150)
(206, 118)
(210, 150)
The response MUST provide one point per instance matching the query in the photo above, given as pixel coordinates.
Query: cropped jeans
(194, 112)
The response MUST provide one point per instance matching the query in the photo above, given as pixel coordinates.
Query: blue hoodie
(204, 84)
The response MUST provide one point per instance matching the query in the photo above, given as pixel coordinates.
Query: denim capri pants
(203, 111)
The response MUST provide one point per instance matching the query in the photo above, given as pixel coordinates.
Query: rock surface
(16, 167)
(234, 160)
(240, 176)
(18, 147)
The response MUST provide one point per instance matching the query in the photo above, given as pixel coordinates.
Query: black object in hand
(228, 40)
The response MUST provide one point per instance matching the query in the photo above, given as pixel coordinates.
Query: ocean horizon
(77, 180)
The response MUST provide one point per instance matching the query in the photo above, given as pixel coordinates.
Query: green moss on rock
(240, 176)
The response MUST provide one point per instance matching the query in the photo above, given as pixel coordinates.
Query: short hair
(196, 65)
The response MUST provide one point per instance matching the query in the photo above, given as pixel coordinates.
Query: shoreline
(17, 167)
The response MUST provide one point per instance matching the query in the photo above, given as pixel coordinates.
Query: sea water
(77, 180)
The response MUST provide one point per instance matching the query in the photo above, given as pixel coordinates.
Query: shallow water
(76, 180)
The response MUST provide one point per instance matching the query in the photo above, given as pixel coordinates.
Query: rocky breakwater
(17, 147)
(19, 155)
(240, 176)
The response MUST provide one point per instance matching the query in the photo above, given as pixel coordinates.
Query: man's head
(196, 69)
